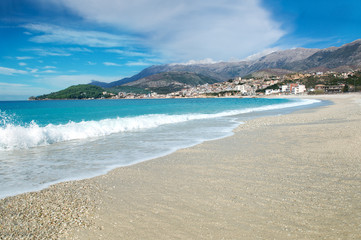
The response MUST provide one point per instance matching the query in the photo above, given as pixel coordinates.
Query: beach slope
(295, 176)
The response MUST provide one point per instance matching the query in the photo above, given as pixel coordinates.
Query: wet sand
(296, 176)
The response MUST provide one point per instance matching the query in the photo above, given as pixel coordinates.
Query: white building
(243, 89)
(299, 89)
(293, 88)
(285, 88)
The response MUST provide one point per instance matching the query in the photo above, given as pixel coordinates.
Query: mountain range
(344, 58)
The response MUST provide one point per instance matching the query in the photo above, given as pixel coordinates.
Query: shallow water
(46, 142)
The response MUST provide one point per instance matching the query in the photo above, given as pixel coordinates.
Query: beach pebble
(47, 214)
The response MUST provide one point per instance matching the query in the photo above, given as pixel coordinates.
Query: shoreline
(254, 113)
(220, 188)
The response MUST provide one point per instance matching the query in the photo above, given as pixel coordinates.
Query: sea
(47, 142)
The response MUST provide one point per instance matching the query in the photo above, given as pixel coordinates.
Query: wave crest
(14, 136)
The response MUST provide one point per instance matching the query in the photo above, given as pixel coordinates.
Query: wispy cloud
(56, 34)
(32, 70)
(11, 71)
(138, 63)
(261, 54)
(4, 84)
(78, 49)
(128, 53)
(184, 29)
(49, 71)
(111, 64)
(24, 58)
(203, 61)
(55, 52)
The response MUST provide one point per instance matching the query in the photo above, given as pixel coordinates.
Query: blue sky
(48, 45)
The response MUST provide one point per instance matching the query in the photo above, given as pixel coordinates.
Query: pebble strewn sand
(296, 176)
(50, 213)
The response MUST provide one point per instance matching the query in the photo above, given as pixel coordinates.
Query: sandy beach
(295, 176)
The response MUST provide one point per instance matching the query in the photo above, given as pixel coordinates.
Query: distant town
(249, 86)
(291, 84)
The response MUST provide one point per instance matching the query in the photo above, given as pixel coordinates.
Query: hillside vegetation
(355, 80)
(81, 91)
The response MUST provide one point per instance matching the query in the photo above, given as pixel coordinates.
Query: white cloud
(128, 53)
(261, 54)
(184, 29)
(32, 70)
(24, 58)
(55, 52)
(11, 71)
(203, 61)
(111, 64)
(49, 71)
(139, 63)
(3, 84)
(56, 34)
(78, 49)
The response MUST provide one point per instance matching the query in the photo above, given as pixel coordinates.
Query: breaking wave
(16, 136)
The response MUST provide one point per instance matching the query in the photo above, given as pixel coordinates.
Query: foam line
(14, 136)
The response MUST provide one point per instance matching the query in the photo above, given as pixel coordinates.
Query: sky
(48, 45)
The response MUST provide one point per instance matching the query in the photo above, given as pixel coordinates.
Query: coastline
(290, 176)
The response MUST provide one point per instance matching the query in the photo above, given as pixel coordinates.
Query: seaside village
(264, 86)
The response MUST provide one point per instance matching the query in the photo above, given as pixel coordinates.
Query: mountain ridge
(167, 82)
(347, 56)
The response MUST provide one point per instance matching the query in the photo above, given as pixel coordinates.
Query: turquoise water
(45, 142)
(61, 112)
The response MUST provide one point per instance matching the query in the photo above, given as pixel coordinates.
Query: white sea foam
(14, 136)
(128, 141)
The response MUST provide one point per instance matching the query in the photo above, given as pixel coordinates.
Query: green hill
(81, 91)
